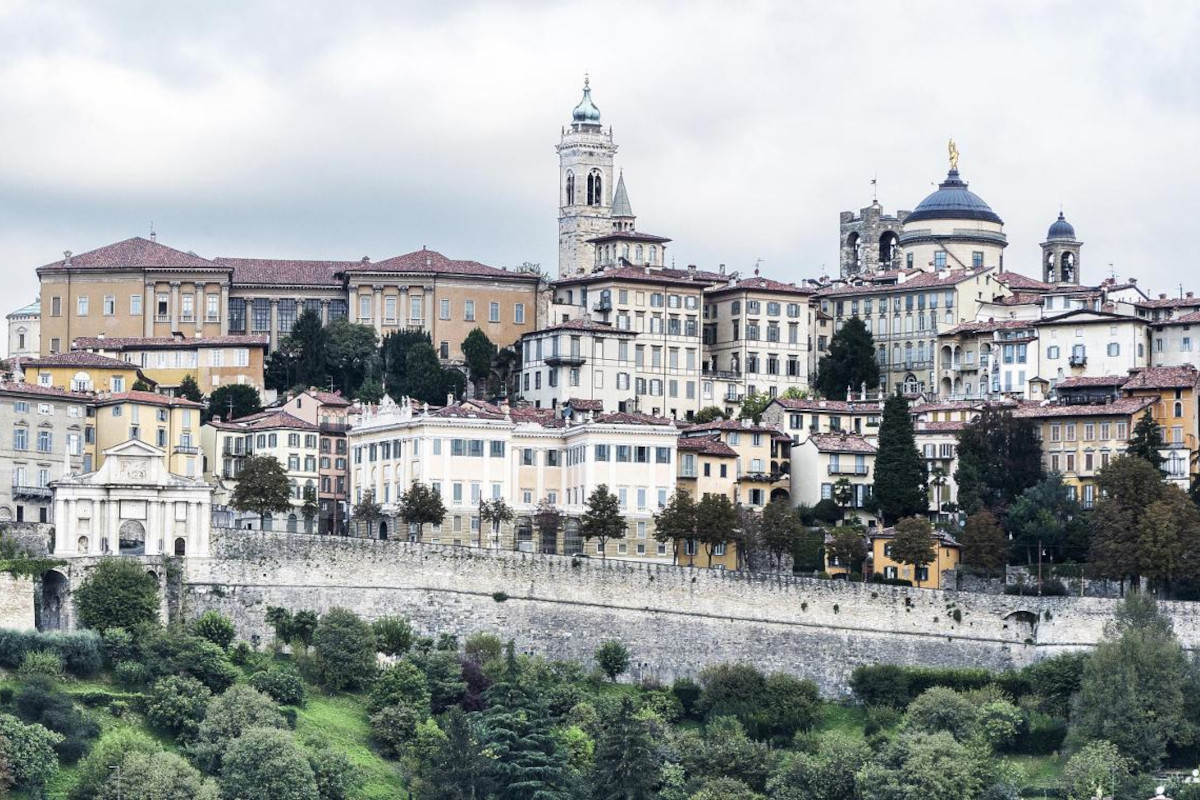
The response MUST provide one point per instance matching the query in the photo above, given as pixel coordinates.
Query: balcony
(334, 427)
(1077, 361)
(572, 360)
(727, 374)
(603, 306)
(31, 491)
(231, 451)
(188, 449)
(848, 469)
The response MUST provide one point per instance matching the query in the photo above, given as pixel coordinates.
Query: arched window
(180, 546)
(625, 252)
(638, 253)
(887, 249)
(570, 188)
(852, 246)
(591, 189)
(82, 382)
(653, 254)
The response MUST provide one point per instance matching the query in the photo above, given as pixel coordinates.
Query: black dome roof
(953, 200)
(1061, 229)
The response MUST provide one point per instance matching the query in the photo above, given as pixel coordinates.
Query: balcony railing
(1077, 361)
(565, 361)
(334, 427)
(188, 449)
(728, 374)
(30, 491)
(847, 469)
(603, 306)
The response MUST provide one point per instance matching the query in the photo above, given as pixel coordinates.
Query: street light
(117, 768)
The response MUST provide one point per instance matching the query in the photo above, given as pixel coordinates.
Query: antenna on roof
(875, 189)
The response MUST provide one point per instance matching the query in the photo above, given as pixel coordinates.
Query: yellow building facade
(171, 424)
(82, 372)
(947, 553)
(212, 362)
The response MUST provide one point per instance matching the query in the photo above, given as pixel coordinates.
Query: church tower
(585, 167)
(1060, 253)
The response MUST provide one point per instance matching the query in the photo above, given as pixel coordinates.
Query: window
(81, 305)
(443, 309)
(188, 304)
(469, 311)
(20, 439)
(496, 449)
(1114, 349)
(212, 310)
(56, 306)
(939, 261)
(493, 312)
(110, 305)
(519, 313)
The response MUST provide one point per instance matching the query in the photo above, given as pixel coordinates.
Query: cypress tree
(627, 761)
(849, 362)
(899, 468)
(1147, 441)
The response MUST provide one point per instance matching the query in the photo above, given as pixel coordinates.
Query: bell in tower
(1060, 253)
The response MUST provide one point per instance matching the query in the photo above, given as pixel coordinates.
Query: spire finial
(952, 148)
(586, 81)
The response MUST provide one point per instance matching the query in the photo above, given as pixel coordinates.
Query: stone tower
(870, 242)
(1060, 253)
(585, 167)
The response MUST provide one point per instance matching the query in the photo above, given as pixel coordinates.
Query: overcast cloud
(338, 130)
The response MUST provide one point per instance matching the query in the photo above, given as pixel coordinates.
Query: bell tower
(1060, 253)
(585, 186)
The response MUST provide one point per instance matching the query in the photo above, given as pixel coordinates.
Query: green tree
(345, 650)
(1128, 486)
(780, 530)
(336, 776)
(188, 389)
(708, 414)
(234, 401)
(808, 554)
(717, 523)
(676, 522)
(32, 761)
(115, 745)
(930, 766)
(827, 774)
(117, 594)
(421, 505)
(401, 684)
(913, 544)
(999, 457)
(847, 547)
(1046, 515)
(395, 360)
(753, 406)
(228, 716)
(725, 788)
(900, 473)
(370, 391)
(215, 627)
(262, 487)
(177, 704)
(1133, 688)
(156, 776)
(1098, 768)
(849, 363)
(367, 511)
(548, 520)
(266, 764)
(308, 343)
(309, 508)
(725, 751)
(627, 760)
(983, 541)
(495, 513)
(459, 770)
(613, 659)
(735, 690)
(478, 351)
(425, 379)
(1147, 441)
(790, 705)
(349, 350)
(1169, 539)
(941, 709)
(602, 519)
(393, 635)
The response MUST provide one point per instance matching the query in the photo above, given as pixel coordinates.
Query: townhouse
(837, 467)
(212, 362)
(42, 431)
(171, 424)
(330, 412)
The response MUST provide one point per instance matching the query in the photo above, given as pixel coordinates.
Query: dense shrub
(281, 684)
(1000, 724)
(215, 628)
(444, 677)
(345, 646)
(1056, 680)
(265, 764)
(400, 684)
(1043, 736)
(612, 657)
(117, 594)
(688, 692)
(95, 770)
(878, 578)
(32, 760)
(395, 726)
(483, 647)
(732, 690)
(882, 685)
(80, 652)
(148, 775)
(790, 705)
(227, 717)
(131, 675)
(336, 777)
(41, 663)
(40, 703)
(172, 653)
(177, 704)
(119, 645)
(393, 635)
(939, 709)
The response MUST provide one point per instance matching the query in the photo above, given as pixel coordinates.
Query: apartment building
(330, 412)
(756, 338)
(760, 468)
(171, 424)
(42, 431)
(834, 466)
(799, 418)
(291, 441)
(582, 360)
(214, 361)
(78, 371)
(475, 452)
(1173, 393)
(24, 331)
(1093, 343)
(946, 551)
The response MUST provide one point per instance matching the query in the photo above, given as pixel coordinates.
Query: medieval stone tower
(585, 167)
(1060, 253)
(870, 241)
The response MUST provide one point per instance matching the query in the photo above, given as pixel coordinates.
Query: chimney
(691, 267)
(722, 269)
(1162, 295)
(1190, 295)
(153, 236)
(66, 258)
(449, 398)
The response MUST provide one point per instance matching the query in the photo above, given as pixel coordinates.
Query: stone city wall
(675, 620)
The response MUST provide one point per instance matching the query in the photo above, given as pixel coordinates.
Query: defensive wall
(675, 620)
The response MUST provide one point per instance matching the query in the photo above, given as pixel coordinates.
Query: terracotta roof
(1085, 381)
(584, 324)
(832, 406)
(634, 236)
(1182, 377)
(266, 420)
(1020, 299)
(1191, 318)
(1170, 302)
(136, 253)
(78, 358)
(841, 443)
(625, 418)
(939, 427)
(944, 539)
(580, 404)
(328, 398)
(13, 387)
(920, 280)
(681, 277)
(1014, 280)
(729, 425)
(960, 405)
(431, 262)
(167, 342)
(279, 271)
(988, 326)
(707, 445)
(759, 284)
(147, 398)
(1121, 407)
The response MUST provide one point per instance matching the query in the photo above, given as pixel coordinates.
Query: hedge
(81, 652)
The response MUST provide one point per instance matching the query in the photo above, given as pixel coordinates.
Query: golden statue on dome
(953, 148)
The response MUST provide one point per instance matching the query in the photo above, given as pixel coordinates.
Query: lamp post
(117, 769)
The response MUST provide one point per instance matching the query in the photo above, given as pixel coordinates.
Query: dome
(586, 112)
(1061, 229)
(953, 200)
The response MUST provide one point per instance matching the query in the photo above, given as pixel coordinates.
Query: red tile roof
(1085, 381)
(266, 421)
(1015, 280)
(624, 418)
(78, 358)
(585, 324)
(940, 427)
(328, 398)
(759, 284)
(678, 277)
(707, 445)
(1191, 318)
(1121, 407)
(729, 425)
(287, 272)
(988, 326)
(13, 387)
(431, 262)
(841, 443)
(1182, 377)
(830, 406)
(1170, 302)
(134, 253)
(167, 342)
(146, 398)
(919, 280)
(580, 404)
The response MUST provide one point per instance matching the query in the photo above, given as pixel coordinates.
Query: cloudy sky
(338, 130)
